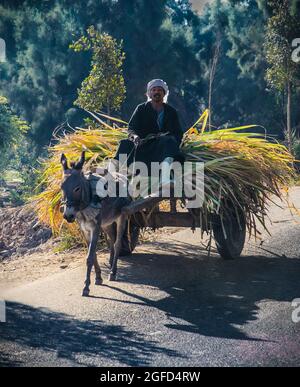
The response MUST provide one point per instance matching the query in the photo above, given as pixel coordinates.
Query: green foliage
(18, 161)
(282, 28)
(12, 131)
(240, 91)
(161, 38)
(41, 74)
(104, 87)
(296, 152)
(67, 241)
(297, 149)
(27, 164)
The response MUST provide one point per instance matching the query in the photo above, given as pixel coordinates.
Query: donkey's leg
(98, 280)
(111, 232)
(90, 259)
(121, 225)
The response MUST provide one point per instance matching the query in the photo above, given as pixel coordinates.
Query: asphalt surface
(172, 306)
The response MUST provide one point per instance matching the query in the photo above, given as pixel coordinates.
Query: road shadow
(63, 338)
(198, 295)
(210, 296)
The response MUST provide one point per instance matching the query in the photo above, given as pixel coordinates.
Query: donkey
(108, 217)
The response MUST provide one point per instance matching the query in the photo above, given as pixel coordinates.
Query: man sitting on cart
(154, 131)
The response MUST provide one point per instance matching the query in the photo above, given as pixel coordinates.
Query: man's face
(157, 94)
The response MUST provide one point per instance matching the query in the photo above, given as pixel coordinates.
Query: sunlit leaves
(12, 130)
(104, 87)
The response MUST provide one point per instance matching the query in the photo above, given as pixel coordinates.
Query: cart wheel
(232, 246)
(128, 244)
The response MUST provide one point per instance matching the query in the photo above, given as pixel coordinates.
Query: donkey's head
(75, 188)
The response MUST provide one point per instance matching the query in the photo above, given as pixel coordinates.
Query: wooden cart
(228, 234)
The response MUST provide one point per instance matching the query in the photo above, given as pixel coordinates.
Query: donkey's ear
(80, 163)
(64, 161)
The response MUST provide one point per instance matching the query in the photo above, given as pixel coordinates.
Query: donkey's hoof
(112, 277)
(85, 292)
(98, 281)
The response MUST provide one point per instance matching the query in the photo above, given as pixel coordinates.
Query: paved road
(173, 306)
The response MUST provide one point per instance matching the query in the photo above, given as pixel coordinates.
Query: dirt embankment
(20, 231)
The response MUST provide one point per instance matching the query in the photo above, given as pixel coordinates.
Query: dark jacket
(144, 121)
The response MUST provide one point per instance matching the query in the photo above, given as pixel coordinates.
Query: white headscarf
(158, 83)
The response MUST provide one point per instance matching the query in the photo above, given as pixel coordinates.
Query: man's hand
(135, 139)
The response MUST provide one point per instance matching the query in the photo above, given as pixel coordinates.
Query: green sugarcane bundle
(247, 168)
(99, 143)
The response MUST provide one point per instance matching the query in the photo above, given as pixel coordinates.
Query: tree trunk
(212, 73)
(288, 117)
(209, 101)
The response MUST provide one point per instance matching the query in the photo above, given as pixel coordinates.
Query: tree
(238, 93)
(161, 38)
(282, 73)
(214, 61)
(42, 75)
(104, 87)
(12, 131)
